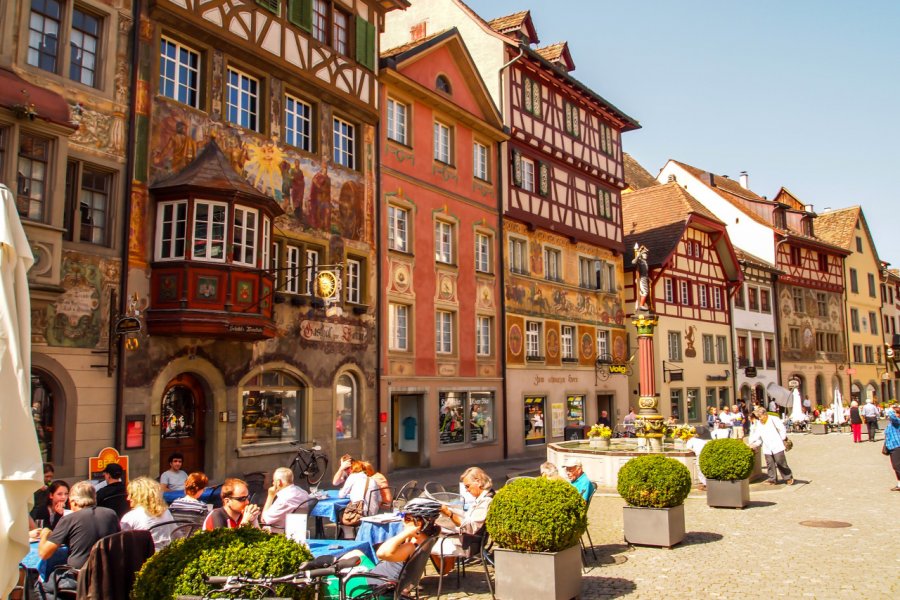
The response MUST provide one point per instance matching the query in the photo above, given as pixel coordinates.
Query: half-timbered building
(65, 96)
(562, 175)
(252, 247)
(440, 235)
(890, 311)
(693, 272)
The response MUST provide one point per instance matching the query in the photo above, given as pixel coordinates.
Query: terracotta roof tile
(724, 184)
(838, 227)
(636, 176)
(410, 45)
(509, 22)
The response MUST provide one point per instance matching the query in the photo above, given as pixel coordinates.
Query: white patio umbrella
(21, 469)
(781, 395)
(796, 406)
(838, 407)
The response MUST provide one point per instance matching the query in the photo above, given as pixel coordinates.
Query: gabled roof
(390, 52)
(389, 5)
(514, 23)
(838, 227)
(636, 176)
(784, 196)
(751, 259)
(722, 184)
(559, 54)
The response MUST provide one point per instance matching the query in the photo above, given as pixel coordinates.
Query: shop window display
(455, 428)
(534, 420)
(272, 409)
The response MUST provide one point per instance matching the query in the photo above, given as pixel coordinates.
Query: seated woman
(478, 484)
(189, 507)
(52, 510)
(148, 509)
(357, 486)
(381, 483)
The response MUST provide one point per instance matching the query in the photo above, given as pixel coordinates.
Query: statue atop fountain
(649, 423)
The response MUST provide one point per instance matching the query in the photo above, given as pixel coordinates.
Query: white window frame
(398, 228)
(397, 124)
(244, 252)
(528, 168)
(340, 31)
(709, 350)
(246, 115)
(292, 271)
(442, 143)
(354, 274)
(483, 328)
(684, 293)
(266, 244)
(721, 349)
(275, 261)
(603, 343)
(443, 332)
(211, 239)
(297, 123)
(483, 243)
(313, 260)
(674, 343)
(518, 255)
(701, 289)
(611, 277)
(160, 224)
(443, 241)
(398, 324)
(182, 71)
(344, 136)
(533, 335)
(480, 161)
(567, 341)
(717, 298)
(321, 13)
(552, 268)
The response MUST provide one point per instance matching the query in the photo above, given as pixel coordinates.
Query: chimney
(745, 180)
(708, 178)
(418, 31)
(808, 208)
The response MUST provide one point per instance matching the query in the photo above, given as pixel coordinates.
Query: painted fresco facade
(63, 107)
(890, 311)
(289, 99)
(441, 309)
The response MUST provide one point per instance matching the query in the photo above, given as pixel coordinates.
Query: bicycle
(310, 573)
(309, 465)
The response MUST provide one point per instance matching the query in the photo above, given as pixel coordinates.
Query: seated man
(604, 419)
(113, 494)
(80, 529)
(236, 510)
(173, 479)
(284, 497)
(577, 477)
(478, 484)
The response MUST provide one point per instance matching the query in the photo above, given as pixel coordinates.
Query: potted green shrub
(654, 488)
(727, 465)
(599, 436)
(536, 525)
(180, 568)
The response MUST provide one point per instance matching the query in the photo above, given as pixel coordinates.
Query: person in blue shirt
(577, 477)
(892, 440)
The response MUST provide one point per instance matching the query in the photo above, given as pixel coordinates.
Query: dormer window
(779, 219)
(807, 226)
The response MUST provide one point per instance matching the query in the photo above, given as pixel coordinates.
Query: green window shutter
(273, 6)
(365, 43)
(300, 13)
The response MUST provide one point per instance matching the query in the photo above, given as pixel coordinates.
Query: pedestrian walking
(870, 414)
(769, 432)
(892, 441)
(855, 422)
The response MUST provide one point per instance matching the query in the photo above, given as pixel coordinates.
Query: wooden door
(183, 423)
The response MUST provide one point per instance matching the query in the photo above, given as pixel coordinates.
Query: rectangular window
(823, 262)
(573, 120)
(243, 246)
(283, 403)
(243, 100)
(31, 176)
(443, 332)
(209, 230)
(179, 72)
(606, 139)
(753, 298)
(398, 324)
(292, 272)
(854, 282)
(533, 338)
(857, 353)
(603, 345)
(710, 398)
(441, 143)
(528, 175)
(275, 261)
(312, 269)
(567, 342)
(717, 298)
(684, 296)
(675, 403)
(701, 291)
(794, 337)
(531, 99)
(297, 123)
(266, 245)
(795, 256)
(871, 279)
(481, 417)
(822, 304)
(769, 343)
(756, 349)
(443, 242)
(675, 345)
(480, 161)
(482, 253)
(340, 31)
(84, 43)
(693, 405)
(534, 420)
(483, 328)
(869, 355)
(873, 321)
(721, 349)
(854, 319)
(87, 203)
(354, 273)
(604, 203)
(799, 305)
(611, 278)
(344, 143)
(396, 119)
(320, 11)
(739, 297)
(765, 300)
(44, 35)
(589, 273)
(708, 350)
(552, 264)
(859, 245)
(171, 230)
(742, 351)
(669, 288)
(574, 410)
(398, 228)
(518, 255)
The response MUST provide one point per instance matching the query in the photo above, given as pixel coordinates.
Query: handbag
(356, 510)
(884, 450)
(788, 444)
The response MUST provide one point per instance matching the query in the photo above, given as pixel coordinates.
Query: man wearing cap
(113, 474)
(769, 432)
(578, 478)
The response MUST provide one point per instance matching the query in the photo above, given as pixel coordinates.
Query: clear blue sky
(803, 93)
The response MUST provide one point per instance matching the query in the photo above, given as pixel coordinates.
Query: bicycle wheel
(316, 469)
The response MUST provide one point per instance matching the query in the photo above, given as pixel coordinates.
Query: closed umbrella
(838, 407)
(21, 471)
(796, 407)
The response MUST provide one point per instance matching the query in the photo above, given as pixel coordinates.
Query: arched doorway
(183, 423)
(760, 394)
(872, 392)
(746, 394)
(855, 391)
(47, 410)
(821, 392)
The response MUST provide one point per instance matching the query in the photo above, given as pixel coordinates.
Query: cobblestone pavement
(762, 551)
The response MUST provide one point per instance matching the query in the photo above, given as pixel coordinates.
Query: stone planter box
(654, 526)
(728, 494)
(545, 575)
(818, 428)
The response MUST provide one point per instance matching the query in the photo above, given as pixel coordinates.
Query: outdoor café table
(378, 529)
(328, 507)
(339, 547)
(36, 565)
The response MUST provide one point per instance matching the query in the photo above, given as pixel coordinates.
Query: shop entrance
(605, 402)
(183, 423)
(406, 430)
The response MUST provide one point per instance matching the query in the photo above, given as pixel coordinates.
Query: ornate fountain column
(649, 423)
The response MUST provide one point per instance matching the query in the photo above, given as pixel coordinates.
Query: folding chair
(476, 549)
(587, 532)
(256, 487)
(410, 575)
(407, 492)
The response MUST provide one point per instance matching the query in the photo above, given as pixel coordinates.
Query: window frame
(49, 170)
(444, 242)
(481, 161)
(210, 240)
(292, 265)
(353, 294)
(674, 346)
(442, 142)
(74, 200)
(534, 340)
(394, 232)
(344, 131)
(483, 246)
(397, 121)
(97, 51)
(669, 290)
(341, 45)
(293, 135)
(245, 248)
(484, 325)
(567, 334)
(443, 332)
(254, 113)
(311, 268)
(554, 273)
(160, 224)
(177, 84)
(528, 174)
(514, 245)
(398, 327)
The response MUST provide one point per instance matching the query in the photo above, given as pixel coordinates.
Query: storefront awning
(32, 101)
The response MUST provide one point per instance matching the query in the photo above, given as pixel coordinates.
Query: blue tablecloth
(339, 547)
(44, 567)
(330, 507)
(377, 533)
(206, 497)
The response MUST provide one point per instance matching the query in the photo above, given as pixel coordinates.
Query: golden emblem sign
(326, 284)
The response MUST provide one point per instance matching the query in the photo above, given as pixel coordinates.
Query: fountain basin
(602, 466)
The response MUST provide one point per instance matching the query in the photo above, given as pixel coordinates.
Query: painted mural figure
(320, 198)
(293, 184)
(349, 212)
(642, 301)
(180, 149)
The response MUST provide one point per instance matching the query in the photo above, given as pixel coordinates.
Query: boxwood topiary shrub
(654, 481)
(726, 460)
(179, 569)
(537, 515)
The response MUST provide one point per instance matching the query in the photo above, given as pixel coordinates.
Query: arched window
(346, 396)
(820, 390)
(273, 408)
(746, 393)
(44, 404)
(442, 84)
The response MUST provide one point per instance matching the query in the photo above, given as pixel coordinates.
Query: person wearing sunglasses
(236, 510)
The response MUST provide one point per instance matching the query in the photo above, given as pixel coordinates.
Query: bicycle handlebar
(322, 566)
